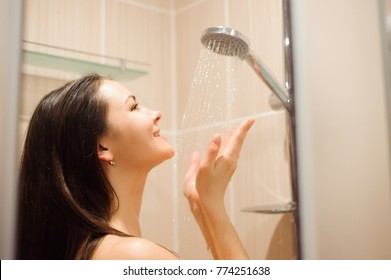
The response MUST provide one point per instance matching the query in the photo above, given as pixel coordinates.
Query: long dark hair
(64, 195)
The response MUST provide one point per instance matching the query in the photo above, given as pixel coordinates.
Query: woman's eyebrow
(130, 96)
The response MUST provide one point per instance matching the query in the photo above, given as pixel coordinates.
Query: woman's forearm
(222, 234)
(205, 185)
(199, 216)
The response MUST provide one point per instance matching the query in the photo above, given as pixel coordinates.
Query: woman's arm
(205, 185)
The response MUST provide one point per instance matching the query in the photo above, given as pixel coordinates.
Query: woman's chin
(168, 153)
(171, 152)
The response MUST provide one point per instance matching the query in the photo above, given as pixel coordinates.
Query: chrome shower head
(230, 42)
(225, 41)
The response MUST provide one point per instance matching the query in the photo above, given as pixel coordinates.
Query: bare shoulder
(114, 247)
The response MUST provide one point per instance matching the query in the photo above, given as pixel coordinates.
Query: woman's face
(133, 139)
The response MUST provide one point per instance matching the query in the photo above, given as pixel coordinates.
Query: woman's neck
(129, 188)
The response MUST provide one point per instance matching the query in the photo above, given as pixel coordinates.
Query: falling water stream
(210, 102)
(209, 110)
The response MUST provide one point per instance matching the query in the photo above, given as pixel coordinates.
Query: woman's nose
(156, 116)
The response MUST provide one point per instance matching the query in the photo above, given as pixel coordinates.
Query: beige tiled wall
(69, 24)
(165, 34)
(140, 33)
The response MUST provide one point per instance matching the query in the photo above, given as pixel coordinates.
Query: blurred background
(341, 63)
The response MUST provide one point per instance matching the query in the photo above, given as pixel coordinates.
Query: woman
(89, 148)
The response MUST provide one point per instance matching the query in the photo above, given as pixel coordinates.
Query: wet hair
(65, 198)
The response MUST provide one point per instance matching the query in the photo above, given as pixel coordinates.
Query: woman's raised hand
(207, 179)
(205, 184)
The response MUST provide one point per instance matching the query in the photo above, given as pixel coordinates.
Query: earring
(112, 163)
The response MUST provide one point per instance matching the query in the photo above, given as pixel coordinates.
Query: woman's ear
(104, 154)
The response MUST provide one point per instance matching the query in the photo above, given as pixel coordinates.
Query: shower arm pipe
(267, 77)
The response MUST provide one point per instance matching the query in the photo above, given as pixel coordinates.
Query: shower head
(225, 41)
(230, 42)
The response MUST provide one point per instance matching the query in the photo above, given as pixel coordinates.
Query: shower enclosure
(342, 83)
(263, 177)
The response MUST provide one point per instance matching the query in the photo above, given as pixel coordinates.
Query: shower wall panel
(263, 173)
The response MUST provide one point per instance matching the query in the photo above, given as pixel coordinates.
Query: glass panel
(50, 61)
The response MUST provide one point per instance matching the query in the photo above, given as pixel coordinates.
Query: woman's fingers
(225, 140)
(218, 165)
(191, 173)
(211, 154)
(234, 144)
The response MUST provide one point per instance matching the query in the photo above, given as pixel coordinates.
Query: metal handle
(261, 70)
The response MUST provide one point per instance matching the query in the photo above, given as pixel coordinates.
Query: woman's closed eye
(135, 106)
